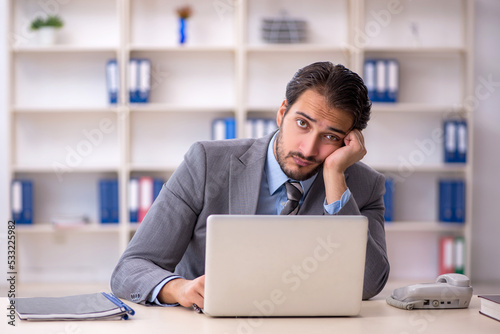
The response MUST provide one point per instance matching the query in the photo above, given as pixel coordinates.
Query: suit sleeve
(164, 235)
(377, 264)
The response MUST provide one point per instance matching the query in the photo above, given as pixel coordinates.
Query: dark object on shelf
(284, 30)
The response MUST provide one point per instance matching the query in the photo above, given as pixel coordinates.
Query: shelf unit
(59, 98)
(411, 147)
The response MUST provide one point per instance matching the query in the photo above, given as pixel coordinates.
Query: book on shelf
(139, 83)
(490, 306)
(381, 77)
(455, 141)
(459, 255)
(108, 201)
(452, 200)
(462, 139)
(92, 306)
(133, 199)
(260, 127)
(224, 128)
(112, 80)
(22, 201)
(451, 255)
(143, 191)
(389, 200)
(145, 196)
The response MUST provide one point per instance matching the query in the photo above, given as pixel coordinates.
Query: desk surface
(375, 317)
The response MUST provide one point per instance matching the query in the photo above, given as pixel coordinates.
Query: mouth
(302, 162)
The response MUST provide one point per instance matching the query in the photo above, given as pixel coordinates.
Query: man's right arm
(165, 233)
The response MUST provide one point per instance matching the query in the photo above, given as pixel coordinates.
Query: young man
(319, 143)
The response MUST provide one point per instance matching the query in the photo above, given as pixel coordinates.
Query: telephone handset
(449, 291)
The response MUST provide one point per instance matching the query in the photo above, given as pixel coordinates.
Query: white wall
(486, 219)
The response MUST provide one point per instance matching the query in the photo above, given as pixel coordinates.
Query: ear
(281, 112)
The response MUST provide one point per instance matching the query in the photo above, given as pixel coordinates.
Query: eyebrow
(314, 121)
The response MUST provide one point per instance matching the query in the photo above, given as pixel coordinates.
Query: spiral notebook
(94, 306)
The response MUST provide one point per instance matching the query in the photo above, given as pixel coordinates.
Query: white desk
(376, 317)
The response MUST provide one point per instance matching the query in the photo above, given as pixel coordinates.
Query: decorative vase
(47, 35)
(182, 30)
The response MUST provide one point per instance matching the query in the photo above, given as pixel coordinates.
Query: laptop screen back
(284, 265)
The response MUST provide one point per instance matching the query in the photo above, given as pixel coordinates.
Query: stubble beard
(298, 174)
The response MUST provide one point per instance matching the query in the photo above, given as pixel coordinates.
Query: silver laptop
(284, 265)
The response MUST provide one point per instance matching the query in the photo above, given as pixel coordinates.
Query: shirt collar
(275, 175)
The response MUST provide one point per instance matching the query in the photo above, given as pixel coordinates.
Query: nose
(309, 146)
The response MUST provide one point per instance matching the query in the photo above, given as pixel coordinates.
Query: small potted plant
(46, 28)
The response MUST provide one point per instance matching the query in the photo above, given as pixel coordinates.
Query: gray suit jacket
(224, 178)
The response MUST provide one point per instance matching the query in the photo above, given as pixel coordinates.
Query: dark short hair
(342, 88)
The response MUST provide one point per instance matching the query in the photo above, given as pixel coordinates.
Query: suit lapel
(313, 202)
(245, 178)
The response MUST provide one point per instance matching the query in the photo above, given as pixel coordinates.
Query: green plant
(50, 21)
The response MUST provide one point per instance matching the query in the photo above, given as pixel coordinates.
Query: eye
(332, 138)
(301, 123)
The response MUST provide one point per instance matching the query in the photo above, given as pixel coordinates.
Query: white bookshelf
(224, 69)
(410, 149)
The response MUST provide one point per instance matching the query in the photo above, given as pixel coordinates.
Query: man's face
(309, 133)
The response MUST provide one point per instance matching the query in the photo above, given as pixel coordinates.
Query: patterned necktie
(293, 194)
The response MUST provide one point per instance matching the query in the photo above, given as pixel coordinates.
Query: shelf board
(416, 49)
(65, 109)
(50, 228)
(165, 107)
(64, 49)
(299, 47)
(137, 167)
(263, 109)
(416, 108)
(446, 168)
(175, 48)
(415, 226)
(79, 169)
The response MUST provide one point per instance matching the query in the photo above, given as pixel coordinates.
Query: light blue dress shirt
(272, 199)
(272, 195)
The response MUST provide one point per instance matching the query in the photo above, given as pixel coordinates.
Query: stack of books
(224, 128)
(260, 127)
(452, 200)
(139, 80)
(452, 255)
(108, 201)
(455, 141)
(381, 77)
(142, 193)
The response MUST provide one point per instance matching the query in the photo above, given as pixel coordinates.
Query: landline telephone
(449, 291)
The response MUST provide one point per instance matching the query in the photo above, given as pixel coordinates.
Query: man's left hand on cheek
(353, 151)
